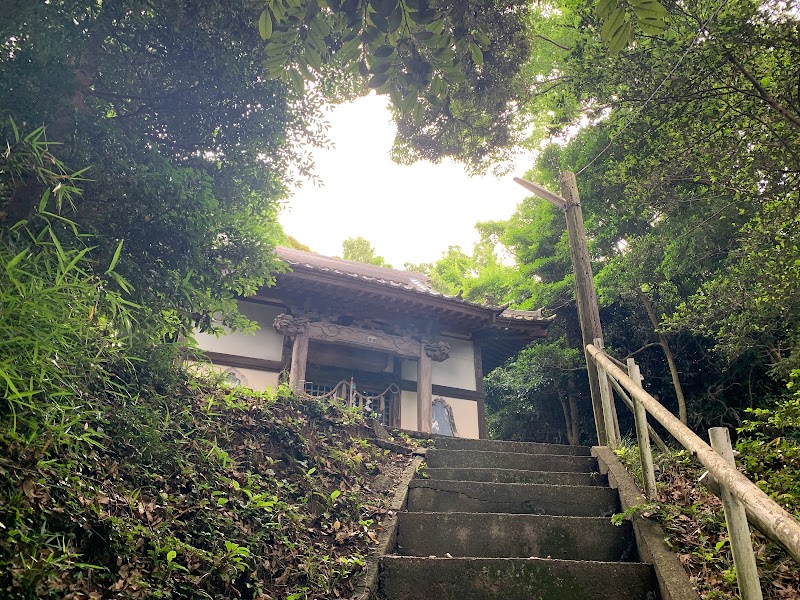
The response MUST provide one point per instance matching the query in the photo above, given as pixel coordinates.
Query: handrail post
(643, 435)
(607, 399)
(744, 558)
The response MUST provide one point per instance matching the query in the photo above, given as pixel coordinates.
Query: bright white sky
(408, 213)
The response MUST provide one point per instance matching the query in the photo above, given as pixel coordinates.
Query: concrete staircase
(513, 521)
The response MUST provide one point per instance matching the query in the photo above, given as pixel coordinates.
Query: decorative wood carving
(373, 340)
(438, 351)
(289, 325)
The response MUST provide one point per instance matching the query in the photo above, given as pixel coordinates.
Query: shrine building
(379, 338)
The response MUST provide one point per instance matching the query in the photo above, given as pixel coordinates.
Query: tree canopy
(684, 144)
(360, 250)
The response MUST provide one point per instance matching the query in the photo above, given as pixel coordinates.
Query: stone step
(416, 578)
(517, 447)
(495, 535)
(430, 495)
(436, 458)
(517, 476)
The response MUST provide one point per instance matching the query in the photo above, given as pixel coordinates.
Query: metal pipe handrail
(782, 526)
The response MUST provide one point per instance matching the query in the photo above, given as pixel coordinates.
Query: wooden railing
(742, 500)
(349, 394)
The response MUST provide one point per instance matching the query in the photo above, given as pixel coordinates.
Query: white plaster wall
(409, 371)
(458, 371)
(408, 410)
(266, 343)
(252, 378)
(465, 414)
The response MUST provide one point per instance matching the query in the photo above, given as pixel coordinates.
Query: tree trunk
(673, 367)
(568, 405)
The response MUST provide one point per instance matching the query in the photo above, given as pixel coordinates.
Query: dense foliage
(360, 250)
(451, 68)
(122, 477)
(693, 517)
(192, 490)
(683, 144)
(188, 148)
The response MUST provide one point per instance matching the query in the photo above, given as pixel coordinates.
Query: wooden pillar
(481, 389)
(424, 391)
(643, 436)
(297, 369)
(607, 400)
(738, 530)
(585, 297)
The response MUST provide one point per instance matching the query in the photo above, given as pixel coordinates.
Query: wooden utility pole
(585, 297)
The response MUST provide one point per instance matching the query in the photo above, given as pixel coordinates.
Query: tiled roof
(392, 278)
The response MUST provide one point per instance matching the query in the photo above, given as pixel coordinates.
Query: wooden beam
(585, 296)
(445, 390)
(481, 390)
(744, 559)
(396, 345)
(245, 362)
(543, 192)
(297, 370)
(424, 391)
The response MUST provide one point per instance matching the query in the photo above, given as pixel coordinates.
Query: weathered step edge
(510, 460)
(367, 588)
(430, 495)
(517, 476)
(673, 581)
(509, 446)
(417, 578)
(499, 535)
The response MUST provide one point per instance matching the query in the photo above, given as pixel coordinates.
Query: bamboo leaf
(16, 259)
(115, 258)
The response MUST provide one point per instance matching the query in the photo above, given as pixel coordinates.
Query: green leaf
(296, 80)
(10, 264)
(265, 25)
(650, 16)
(477, 53)
(383, 51)
(423, 17)
(171, 555)
(384, 7)
(454, 75)
(115, 258)
(378, 80)
(483, 39)
(395, 19)
(444, 55)
(620, 38)
(380, 22)
(314, 59)
(605, 8)
(45, 198)
(380, 67)
(612, 25)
